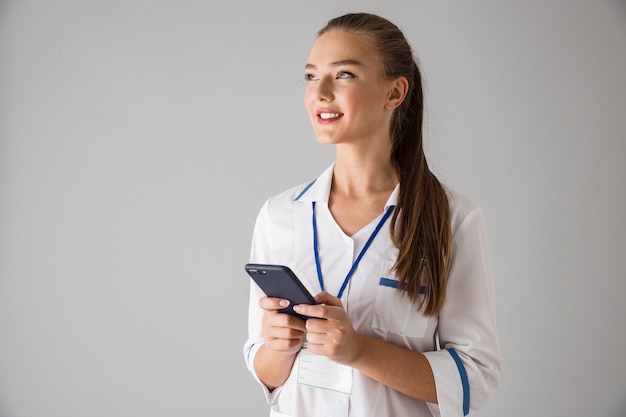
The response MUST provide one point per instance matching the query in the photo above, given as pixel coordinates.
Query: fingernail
(283, 303)
(296, 308)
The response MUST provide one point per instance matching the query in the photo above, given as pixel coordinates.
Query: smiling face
(346, 97)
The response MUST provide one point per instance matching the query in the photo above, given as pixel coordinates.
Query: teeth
(329, 115)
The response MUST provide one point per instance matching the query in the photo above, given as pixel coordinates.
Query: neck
(359, 174)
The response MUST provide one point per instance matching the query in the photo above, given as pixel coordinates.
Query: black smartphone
(280, 281)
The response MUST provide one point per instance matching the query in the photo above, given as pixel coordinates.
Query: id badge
(320, 372)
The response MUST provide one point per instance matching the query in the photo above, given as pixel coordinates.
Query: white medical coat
(461, 343)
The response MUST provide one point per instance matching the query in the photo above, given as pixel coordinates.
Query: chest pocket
(393, 311)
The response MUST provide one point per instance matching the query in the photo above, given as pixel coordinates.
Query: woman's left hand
(333, 337)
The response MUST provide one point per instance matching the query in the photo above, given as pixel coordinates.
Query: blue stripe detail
(305, 190)
(316, 252)
(464, 380)
(386, 282)
(392, 283)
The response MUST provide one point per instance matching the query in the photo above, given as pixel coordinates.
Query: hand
(282, 332)
(334, 337)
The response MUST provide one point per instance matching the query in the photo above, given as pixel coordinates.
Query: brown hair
(423, 213)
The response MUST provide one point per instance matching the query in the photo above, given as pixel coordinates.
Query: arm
(402, 369)
(454, 380)
(273, 368)
(274, 337)
(468, 366)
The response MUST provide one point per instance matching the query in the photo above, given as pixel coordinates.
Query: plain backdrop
(138, 140)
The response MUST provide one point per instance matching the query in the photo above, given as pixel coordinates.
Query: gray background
(138, 139)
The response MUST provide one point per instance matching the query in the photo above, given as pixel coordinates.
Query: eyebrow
(338, 63)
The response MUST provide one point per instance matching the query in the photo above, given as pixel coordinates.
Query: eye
(309, 77)
(345, 74)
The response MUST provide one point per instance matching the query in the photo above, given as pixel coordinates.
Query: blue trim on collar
(305, 190)
(464, 380)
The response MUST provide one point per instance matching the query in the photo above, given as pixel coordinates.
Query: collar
(319, 190)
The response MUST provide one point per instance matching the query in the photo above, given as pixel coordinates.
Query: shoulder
(462, 209)
(284, 202)
(289, 196)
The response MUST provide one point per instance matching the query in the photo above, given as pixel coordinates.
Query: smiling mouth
(327, 116)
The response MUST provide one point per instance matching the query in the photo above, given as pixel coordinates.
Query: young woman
(405, 324)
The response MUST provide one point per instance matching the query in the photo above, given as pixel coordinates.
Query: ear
(398, 89)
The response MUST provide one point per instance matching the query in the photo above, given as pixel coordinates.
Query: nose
(325, 90)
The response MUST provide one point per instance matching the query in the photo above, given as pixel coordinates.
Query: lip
(325, 116)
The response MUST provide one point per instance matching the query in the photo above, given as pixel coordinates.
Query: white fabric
(283, 235)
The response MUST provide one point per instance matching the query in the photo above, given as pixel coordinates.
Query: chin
(329, 138)
(325, 140)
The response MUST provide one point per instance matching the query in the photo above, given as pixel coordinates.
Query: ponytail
(424, 236)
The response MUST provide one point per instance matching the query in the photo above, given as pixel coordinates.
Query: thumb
(328, 299)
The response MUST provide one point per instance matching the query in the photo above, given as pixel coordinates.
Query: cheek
(368, 101)
(309, 106)
(358, 103)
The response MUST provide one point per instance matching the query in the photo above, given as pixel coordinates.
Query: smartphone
(280, 281)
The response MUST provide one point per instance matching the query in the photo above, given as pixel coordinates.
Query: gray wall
(138, 139)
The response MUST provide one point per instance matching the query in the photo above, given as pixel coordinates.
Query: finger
(286, 342)
(316, 338)
(273, 318)
(284, 345)
(287, 333)
(319, 326)
(320, 311)
(272, 303)
(327, 298)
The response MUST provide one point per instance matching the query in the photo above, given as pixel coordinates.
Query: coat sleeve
(260, 253)
(467, 367)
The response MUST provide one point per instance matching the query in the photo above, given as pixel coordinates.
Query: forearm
(273, 368)
(402, 369)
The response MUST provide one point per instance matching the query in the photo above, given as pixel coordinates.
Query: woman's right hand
(282, 332)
